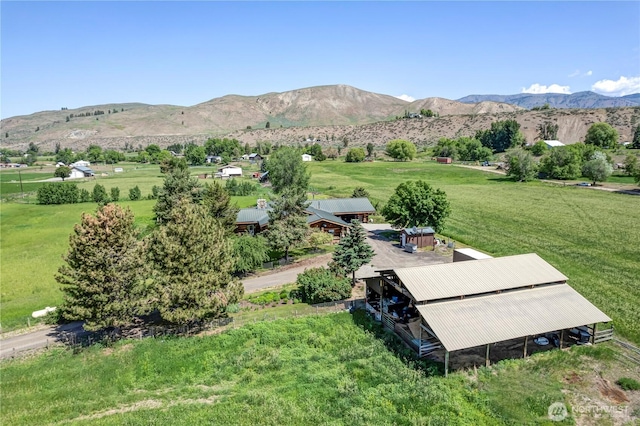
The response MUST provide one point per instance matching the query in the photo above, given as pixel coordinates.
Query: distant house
(80, 163)
(553, 144)
(60, 164)
(255, 157)
(78, 172)
(244, 157)
(229, 171)
(331, 216)
(307, 157)
(213, 159)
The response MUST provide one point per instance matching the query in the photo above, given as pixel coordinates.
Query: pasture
(591, 236)
(328, 369)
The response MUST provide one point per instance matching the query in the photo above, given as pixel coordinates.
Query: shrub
(135, 193)
(85, 196)
(355, 155)
(627, 383)
(58, 193)
(318, 285)
(115, 194)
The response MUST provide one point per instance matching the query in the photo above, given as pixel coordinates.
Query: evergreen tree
(192, 261)
(178, 184)
(353, 251)
(218, 203)
(99, 194)
(635, 143)
(115, 194)
(135, 193)
(103, 274)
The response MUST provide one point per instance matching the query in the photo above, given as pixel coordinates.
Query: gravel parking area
(390, 255)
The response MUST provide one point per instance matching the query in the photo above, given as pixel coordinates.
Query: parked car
(583, 184)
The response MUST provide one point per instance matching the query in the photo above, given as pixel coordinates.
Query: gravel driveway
(390, 255)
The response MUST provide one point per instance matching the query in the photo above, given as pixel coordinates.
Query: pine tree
(353, 251)
(192, 261)
(218, 203)
(178, 184)
(103, 277)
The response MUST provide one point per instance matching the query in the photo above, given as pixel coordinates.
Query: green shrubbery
(58, 193)
(318, 285)
(241, 188)
(627, 383)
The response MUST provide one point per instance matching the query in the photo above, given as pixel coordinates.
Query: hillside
(558, 100)
(136, 124)
(328, 113)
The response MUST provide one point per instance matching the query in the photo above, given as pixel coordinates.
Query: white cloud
(578, 73)
(540, 88)
(621, 87)
(406, 98)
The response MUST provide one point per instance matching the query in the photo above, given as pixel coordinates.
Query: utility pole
(21, 191)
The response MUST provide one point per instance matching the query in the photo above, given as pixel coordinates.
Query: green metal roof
(253, 215)
(344, 205)
(317, 214)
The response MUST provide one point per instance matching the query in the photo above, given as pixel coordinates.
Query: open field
(328, 369)
(591, 236)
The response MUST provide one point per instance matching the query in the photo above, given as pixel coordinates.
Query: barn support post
(486, 363)
(446, 363)
(526, 338)
(593, 336)
(561, 337)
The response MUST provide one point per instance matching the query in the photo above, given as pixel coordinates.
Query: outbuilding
(230, 171)
(480, 304)
(78, 172)
(307, 157)
(421, 237)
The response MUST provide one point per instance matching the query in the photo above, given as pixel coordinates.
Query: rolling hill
(328, 113)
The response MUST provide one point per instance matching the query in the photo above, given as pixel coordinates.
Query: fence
(76, 340)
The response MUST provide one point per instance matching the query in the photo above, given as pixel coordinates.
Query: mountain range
(328, 112)
(558, 100)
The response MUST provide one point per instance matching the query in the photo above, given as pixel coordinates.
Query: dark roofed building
(331, 216)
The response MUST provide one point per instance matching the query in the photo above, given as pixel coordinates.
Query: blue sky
(72, 54)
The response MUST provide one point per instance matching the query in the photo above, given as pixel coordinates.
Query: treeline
(69, 193)
(90, 113)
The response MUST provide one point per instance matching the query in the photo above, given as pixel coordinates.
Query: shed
(421, 237)
(307, 157)
(80, 163)
(78, 172)
(553, 144)
(444, 160)
(213, 159)
(255, 157)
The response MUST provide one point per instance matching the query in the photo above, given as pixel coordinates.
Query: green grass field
(328, 369)
(591, 236)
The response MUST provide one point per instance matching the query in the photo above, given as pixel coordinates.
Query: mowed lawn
(591, 236)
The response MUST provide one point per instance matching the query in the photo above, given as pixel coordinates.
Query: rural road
(387, 255)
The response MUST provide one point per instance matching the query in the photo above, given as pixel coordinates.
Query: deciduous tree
(287, 170)
(318, 285)
(520, 165)
(561, 163)
(62, 172)
(631, 165)
(249, 253)
(598, 169)
(353, 251)
(103, 274)
(355, 155)
(416, 203)
(602, 135)
(501, 136)
(400, 149)
(192, 261)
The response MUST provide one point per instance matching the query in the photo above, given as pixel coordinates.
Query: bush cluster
(240, 188)
(318, 285)
(69, 193)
